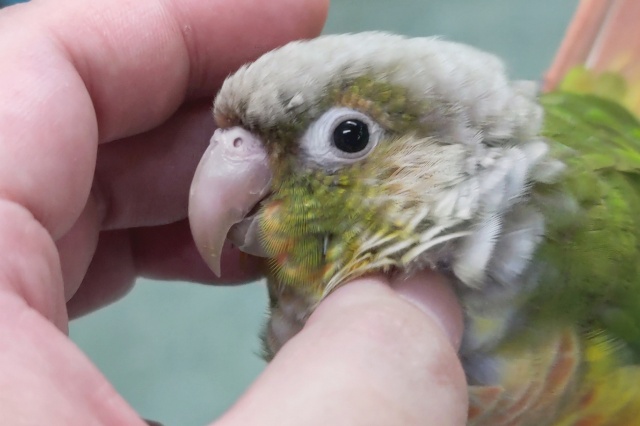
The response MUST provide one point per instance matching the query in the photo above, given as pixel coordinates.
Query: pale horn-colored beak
(232, 177)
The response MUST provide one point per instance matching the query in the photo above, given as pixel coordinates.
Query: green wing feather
(575, 362)
(592, 253)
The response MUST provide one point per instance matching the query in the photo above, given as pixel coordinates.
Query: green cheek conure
(373, 152)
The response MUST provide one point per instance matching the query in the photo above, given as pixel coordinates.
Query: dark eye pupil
(351, 136)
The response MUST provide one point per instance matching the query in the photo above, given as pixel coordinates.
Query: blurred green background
(181, 353)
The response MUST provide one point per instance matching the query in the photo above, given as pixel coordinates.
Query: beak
(232, 178)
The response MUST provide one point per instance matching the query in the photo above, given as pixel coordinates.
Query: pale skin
(105, 112)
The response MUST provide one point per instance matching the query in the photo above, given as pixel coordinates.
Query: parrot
(351, 154)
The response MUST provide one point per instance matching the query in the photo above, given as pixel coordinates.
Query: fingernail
(433, 294)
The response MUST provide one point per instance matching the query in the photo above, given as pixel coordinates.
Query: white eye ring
(318, 144)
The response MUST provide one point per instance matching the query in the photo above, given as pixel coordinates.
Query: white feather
(472, 82)
(473, 255)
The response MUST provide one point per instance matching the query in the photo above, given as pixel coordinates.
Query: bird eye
(351, 136)
(340, 136)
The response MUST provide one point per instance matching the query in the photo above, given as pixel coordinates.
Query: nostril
(214, 139)
(238, 143)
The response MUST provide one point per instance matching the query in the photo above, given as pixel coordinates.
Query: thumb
(374, 352)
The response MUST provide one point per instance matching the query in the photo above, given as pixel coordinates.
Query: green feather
(590, 258)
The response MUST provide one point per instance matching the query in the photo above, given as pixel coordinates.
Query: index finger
(80, 72)
(77, 73)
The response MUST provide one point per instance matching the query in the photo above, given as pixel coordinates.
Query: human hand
(105, 113)
(374, 352)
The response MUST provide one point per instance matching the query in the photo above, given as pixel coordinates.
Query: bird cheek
(232, 177)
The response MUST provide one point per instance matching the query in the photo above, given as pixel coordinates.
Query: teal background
(4, 3)
(182, 353)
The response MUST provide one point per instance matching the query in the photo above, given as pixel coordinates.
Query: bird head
(385, 152)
